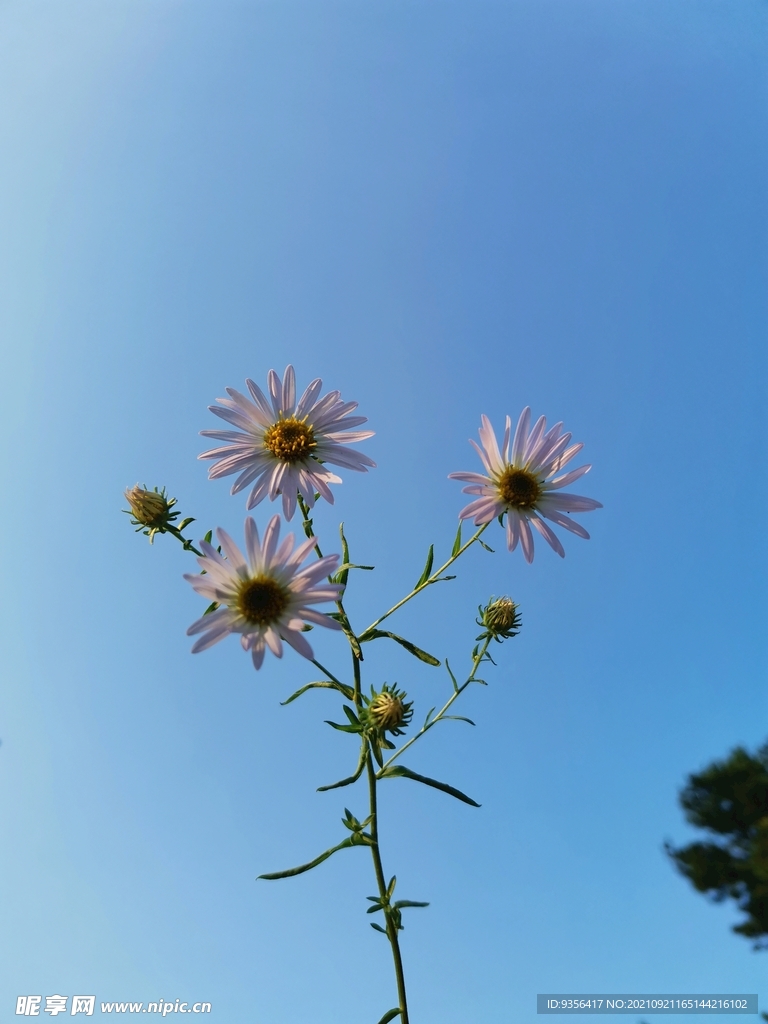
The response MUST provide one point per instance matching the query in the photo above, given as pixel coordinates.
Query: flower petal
(549, 536)
(526, 539)
(521, 436)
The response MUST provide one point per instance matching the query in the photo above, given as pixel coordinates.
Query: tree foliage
(729, 800)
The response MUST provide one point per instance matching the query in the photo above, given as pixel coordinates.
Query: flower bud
(388, 711)
(501, 618)
(151, 510)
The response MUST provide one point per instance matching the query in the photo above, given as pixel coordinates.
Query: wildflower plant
(266, 591)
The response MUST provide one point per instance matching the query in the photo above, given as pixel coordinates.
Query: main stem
(373, 804)
(379, 869)
(380, 880)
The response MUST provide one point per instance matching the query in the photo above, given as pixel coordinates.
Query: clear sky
(443, 209)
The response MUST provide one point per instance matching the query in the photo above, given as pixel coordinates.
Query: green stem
(188, 545)
(382, 885)
(376, 855)
(330, 675)
(432, 579)
(345, 624)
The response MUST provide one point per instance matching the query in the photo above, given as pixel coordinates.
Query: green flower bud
(388, 710)
(151, 510)
(501, 619)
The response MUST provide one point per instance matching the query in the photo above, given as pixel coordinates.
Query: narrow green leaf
(312, 864)
(457, 543)
(376, 750)
(391, 886)
(208, 537)
(352, 778)
(409, 903)
(427, 567)
(348, 692)
(484, 545)
(354, 643)
(353, 719)
(344, 544)
(343, 728)
(390, 1015)
(185, 523)
(417, 652)
(453, 677)
(343, 572)
(211, 608)
(399, 771)
(378, 929)
(456, 718)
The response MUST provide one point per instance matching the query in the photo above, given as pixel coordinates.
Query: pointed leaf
(208, 537)
(456, 718)
(376, 750)
(343, 728)
(484, 545)
(390, 1014)
(352, 778)
(427, 568)
(326, 684)
(353, 719)
(417, 652)
(343, 571)
(457, 543)
(453, 677)
(409, 903)
(378, 927)
(399, 771)
(353, 641)
(185, 523)
(344, 544)
(312, 864)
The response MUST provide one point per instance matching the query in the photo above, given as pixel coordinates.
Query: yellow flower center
(519, 488)
(290, 440)
(262, 600)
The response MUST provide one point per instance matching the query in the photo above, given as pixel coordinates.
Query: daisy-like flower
(282, 445)
(264, 597)
(524, 483)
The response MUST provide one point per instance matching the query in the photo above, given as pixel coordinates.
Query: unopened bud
(501, 618)
(151, 510)
(388, 711)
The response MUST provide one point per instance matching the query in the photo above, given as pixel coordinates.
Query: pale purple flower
(282, 446)
(523, 481)
(264, 596)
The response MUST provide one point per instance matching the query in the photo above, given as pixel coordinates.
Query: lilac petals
(524, 484)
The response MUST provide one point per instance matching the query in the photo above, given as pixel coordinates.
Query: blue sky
(443, 210)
